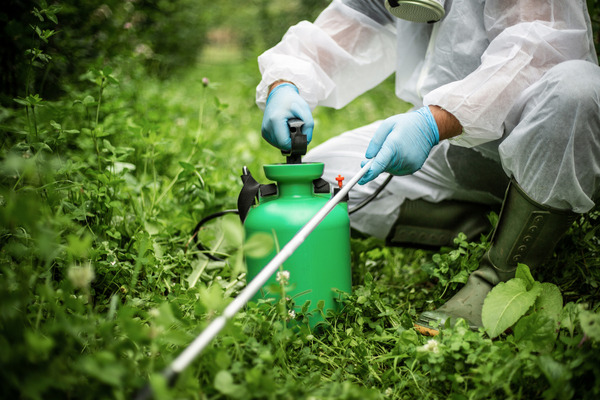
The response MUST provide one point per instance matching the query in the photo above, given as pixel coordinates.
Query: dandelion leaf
(550, 301)
(523, 272)
(506, 303)
(536, 332)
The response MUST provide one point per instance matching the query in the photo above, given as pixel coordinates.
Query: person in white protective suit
(506, 99)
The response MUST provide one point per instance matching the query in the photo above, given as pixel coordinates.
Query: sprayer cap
(306, 172)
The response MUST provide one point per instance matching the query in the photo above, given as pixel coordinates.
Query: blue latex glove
(284, 103)
(401, 144)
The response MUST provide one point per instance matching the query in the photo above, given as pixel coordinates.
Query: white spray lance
(212, 330)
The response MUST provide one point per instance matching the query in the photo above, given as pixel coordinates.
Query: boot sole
(427, 320)
(425, 330)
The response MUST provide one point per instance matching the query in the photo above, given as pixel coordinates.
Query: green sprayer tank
(322, 262)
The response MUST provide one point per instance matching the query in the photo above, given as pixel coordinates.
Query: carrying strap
(250, 192)
(248, 195)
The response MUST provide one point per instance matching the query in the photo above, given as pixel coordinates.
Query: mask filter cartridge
(416, 10)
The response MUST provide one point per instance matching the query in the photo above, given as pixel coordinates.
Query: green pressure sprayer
(320, 266)
(310, 223)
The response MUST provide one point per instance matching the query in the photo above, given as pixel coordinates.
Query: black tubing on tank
(371, 197)
(199, 225)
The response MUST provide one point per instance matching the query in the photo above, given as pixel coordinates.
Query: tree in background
(161, 35)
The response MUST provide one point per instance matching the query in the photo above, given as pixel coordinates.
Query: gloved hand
(284, 103)
(401, 144)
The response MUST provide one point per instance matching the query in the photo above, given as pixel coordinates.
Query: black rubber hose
(371, 197)
(199, 226)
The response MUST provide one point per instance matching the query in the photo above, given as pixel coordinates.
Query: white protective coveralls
(520, 76)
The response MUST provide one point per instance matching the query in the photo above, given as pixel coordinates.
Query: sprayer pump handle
(299, 142)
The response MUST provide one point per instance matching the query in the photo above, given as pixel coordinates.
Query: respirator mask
(416, 10)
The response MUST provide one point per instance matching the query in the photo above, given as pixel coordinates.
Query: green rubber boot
(432, 225)
(527, 233)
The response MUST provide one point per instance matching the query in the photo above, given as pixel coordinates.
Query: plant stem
(200, 123)
(99, 100)
(35, 129)
(96, 124)
(28, 120)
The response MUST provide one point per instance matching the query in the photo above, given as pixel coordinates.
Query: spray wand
(212, 330)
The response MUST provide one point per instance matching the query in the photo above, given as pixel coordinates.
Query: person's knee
(569, 105)
(554, 148)
(576, 83)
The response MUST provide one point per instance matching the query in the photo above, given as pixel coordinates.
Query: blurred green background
(161, 35)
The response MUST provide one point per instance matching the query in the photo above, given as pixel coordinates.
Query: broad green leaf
(550, 301)
(536, 332)
(233, 231)
(408, 337)
(224, 384)
(52, 17)
(305, 307)
(259, 245)
(79, 246)
(41, 146)
(506, 303)
(176, 337)
(112, 79)
(558, 376)
(88, 100)
(461, 277)
(524, 273)
(590, 323)
(21, 101)
(100, 132)
(568, 317)
(152, 228)
(236, 261)
(187, 166)
(320, 305)
(212, 298)
(222, 359)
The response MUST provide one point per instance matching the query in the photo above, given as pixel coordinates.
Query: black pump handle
(299, 142)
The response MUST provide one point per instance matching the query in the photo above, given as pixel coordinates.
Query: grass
(99, 289)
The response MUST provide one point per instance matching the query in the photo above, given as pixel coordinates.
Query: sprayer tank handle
(299, 142)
